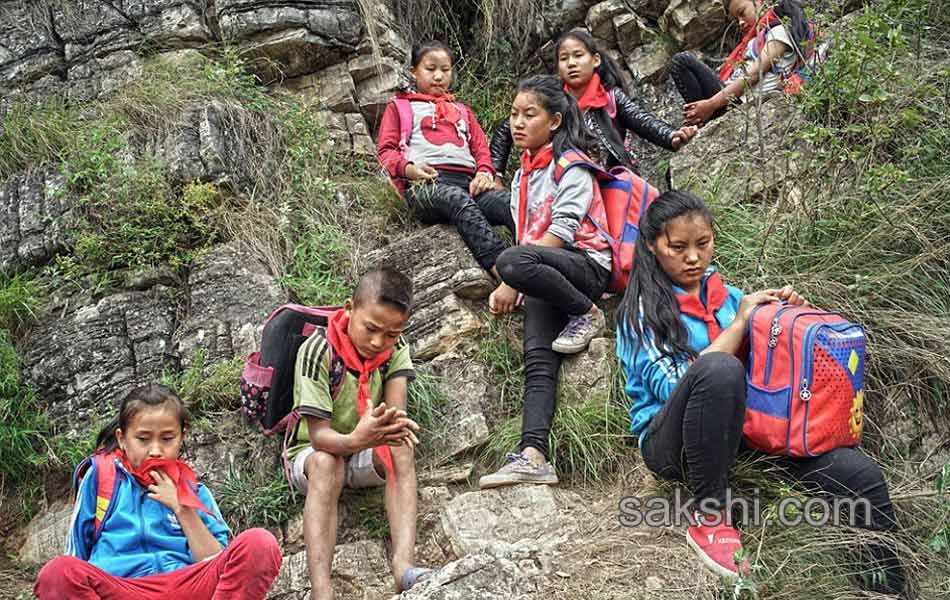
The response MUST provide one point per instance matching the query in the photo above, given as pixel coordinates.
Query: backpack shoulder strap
(404, 110)
(105, 486)
(611, 107)
(573, 158)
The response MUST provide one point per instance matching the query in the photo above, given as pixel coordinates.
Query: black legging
(557, 283)
(695, 80)
(697, 435)
(448, 201)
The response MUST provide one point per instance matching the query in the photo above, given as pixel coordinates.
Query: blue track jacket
(650, 379)
(139, 536)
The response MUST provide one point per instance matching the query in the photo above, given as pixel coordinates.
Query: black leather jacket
(609, 132)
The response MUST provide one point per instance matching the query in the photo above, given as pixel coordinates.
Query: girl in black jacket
(593, 78)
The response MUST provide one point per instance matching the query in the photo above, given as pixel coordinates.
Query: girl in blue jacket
(679, 329)
(159, 531)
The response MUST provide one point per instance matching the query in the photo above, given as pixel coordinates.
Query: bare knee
(323, 468)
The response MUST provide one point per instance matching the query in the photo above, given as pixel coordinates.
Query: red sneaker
(716, 545)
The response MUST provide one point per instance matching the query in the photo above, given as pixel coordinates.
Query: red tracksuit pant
(244, 570)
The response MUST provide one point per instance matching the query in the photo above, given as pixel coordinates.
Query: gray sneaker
(578, 333)
(519, 469)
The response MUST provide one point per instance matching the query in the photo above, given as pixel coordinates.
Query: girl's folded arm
(83, 522)
(571, 202)
(387, 143)
(478, 145)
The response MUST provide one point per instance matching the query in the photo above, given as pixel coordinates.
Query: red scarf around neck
(529, 163)
(716, 296)
(343, 346)
(445, 108)
(179, 472)
(738, 54)
(595, 96)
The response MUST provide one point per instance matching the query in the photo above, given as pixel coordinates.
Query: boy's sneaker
(519, 469)
(578, 333)
(716, 545)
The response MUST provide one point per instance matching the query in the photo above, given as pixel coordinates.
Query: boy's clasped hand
(386, 425)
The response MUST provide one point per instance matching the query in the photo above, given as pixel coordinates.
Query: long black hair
(608, 70)
(551, 95)
(150, 395)
(650, 290)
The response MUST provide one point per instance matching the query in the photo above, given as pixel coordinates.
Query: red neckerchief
(445, 108)
(528, 164)
(595, 96)
(179, 472)
(716, 296)
(738, 54)
(343, 346)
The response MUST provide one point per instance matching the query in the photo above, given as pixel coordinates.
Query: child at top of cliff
(158, 534)
(360, 435)
(436, 154)
(778, 42)
(593, 78)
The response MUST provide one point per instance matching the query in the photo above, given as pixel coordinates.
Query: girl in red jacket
(434, 143)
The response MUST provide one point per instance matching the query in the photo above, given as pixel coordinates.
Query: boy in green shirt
(358, 435)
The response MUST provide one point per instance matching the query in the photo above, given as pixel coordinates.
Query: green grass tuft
(249, 501)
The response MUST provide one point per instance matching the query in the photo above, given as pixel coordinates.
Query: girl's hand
(697, 113)
(164, 491)
(750, 301)
(683, 135)
(416, 172)
(502, 300)
(792, 297)
(482, 182)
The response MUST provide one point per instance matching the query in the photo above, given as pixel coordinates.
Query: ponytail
(650, 291)
(572, 133)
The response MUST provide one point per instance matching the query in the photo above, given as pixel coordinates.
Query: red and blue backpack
(106, 474)
(805, 381)
(625, 195)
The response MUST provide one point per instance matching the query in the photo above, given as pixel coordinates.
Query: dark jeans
(448, 201)
(697, 435)
(557, 283)
(695, 80)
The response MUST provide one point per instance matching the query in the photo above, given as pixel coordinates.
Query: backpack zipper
(774, 331)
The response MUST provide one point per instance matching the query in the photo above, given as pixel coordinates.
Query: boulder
(737, 152)
(693, 23)
(587, 375)
(30, 49)
(34, 214)
(477, 576)
(444, 274)
(649, 63)
(292, 38)
(462, 425)
(632, 31)
(558, 16)
(524, 522)
(230, 293)
(651, 9)
(600, 19)
(332, 87)
(215, 142)
(83, 358)
(360, 572)
(45, 536)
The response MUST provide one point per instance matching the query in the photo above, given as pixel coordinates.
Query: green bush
(249, 501)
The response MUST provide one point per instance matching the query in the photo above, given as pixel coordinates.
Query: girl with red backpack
(437, 156)
(593, 78)
(778, 43)
(561, 265)
(679, 329)
(144, 529)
